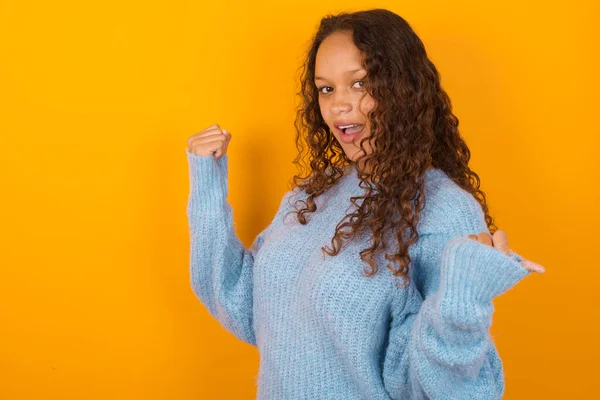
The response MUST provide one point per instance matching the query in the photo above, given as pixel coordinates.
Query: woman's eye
(362, 82)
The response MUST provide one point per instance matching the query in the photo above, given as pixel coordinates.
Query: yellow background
(97, 100)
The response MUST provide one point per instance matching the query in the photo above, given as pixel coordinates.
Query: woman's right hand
(210, 141)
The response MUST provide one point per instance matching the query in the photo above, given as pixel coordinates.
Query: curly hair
(412, 128)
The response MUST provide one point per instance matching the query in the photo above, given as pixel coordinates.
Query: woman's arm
(220, 265)
(440, 347)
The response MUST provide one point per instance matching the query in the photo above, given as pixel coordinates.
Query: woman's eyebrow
(317, 78)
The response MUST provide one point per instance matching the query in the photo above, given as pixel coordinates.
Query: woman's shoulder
(448, 207)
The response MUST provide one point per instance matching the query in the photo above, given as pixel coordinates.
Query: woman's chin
(355, 155)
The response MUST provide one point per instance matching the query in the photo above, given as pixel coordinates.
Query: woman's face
(342, 98)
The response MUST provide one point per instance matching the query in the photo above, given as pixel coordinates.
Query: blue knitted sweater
(324, 330)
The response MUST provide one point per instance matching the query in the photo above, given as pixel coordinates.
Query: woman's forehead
(337, 55)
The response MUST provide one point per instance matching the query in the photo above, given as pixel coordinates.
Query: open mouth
(350, 129)
(349, 133)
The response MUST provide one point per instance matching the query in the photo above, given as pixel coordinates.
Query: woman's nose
(340, 104)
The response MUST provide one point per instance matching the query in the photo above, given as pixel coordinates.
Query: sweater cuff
(208, 182)
(473, 272)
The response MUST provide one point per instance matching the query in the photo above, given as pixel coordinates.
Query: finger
(485, 238)
(227, 137)
(209, 127)
(213, 130)
(222, 150)
(533, 266)
(500, 241)
(474, 237)
(207, 139)
(213, 145)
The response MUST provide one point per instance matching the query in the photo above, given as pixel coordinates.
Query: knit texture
(323, 329)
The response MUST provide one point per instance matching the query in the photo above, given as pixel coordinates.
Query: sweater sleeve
(440, 346)
(220, 265)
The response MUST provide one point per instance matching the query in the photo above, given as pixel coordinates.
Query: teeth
(347, 126)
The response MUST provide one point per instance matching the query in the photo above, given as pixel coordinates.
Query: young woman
(388, 184)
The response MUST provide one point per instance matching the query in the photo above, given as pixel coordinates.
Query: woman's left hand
(500, 242)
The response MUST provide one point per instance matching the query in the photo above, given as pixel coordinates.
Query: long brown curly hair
(412, 128)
